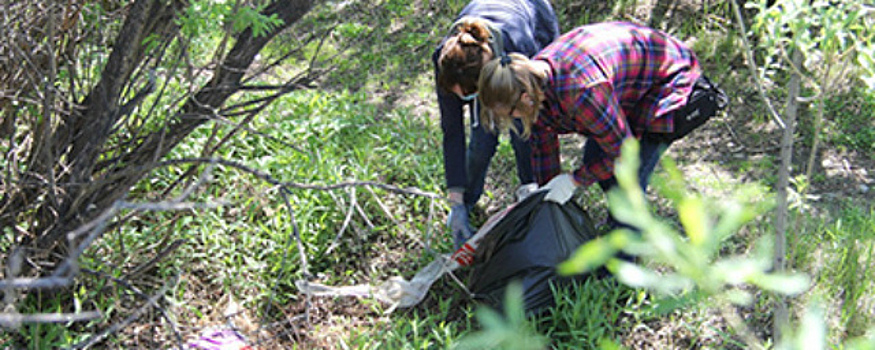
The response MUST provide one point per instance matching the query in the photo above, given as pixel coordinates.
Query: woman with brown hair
(483, 30)
(607, 82)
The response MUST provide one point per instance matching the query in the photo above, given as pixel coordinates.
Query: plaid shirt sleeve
(597, 110)
(545, 155)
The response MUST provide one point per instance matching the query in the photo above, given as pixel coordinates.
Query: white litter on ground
(399, 292)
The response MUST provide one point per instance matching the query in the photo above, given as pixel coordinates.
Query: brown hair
(502, 83)
(463, 55)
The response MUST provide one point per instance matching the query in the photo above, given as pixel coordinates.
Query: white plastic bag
(399, 292)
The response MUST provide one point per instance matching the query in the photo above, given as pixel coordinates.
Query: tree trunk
(781, 315)
(81, 138)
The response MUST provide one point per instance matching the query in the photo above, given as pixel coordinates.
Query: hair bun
(465, 38)
(472, 30)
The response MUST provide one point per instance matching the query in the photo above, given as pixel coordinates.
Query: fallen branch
(15, 320)
(151, 302)
(142, 295)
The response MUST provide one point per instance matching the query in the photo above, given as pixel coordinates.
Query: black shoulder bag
(704, 102)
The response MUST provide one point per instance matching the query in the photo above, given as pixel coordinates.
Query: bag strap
(706, 85)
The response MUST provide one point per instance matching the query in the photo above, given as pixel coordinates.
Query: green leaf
(731, 219)
(737, 270)
(739, 297)
(672, 186)
(787, 284)
(513, 333)
(489, 318)
(627, 172)
(634, 275)
(607, 344)
(812, 333)
(622, 208)
(514, 307)
(588, 257)
(693, 218)
(667, 304)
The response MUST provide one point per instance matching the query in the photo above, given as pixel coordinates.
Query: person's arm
(453, 128)
(545, 155)
(598, 113)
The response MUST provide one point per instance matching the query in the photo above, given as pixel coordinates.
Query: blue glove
(459, 226)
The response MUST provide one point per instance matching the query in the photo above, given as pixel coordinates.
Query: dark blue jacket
(527, 26)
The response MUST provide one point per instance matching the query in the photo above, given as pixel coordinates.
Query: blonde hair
(463, 54)
(502, 83)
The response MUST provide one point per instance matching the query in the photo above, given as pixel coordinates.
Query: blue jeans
(482, 147)
(649, 153)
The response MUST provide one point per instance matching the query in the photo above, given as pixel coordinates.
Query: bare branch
(36, 283)
(346, 220)
(154, 260)
(751, 64)
(143, 296)
(63, 275)
(10, 320)
(118, 326)
(270, 179)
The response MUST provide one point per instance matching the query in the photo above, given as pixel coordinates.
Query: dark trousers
(650, 152)
(481, 148)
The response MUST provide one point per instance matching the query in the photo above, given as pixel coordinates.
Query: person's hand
(525, 190)
(459, 226)
(561, 188)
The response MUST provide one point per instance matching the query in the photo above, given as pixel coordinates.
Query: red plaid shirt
(609, 81)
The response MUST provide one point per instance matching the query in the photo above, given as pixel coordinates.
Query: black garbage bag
(526, 245)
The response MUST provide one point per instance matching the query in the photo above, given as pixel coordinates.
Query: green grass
(588, 313)
(239, 246)
(413, 330)
(839, 255)
(851, 126)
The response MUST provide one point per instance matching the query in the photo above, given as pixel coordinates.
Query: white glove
(525, 190)
(561, 188)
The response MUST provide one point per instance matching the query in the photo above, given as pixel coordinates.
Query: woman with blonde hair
(483, 30)
(607, 82)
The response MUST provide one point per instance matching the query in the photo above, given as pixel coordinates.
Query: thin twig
(305, 269)
(261, 341)
(428, 230)
(100, 224)
(389, 214)
(116, 327)
(458, 281)
(142, 295)
(383, 206)
(222, 119)
(751, 64)
(152, 262)
(365, 217)
(14, 320)
(36, 283)
(266, 177)
(743, 147)
(346, 220)
(62, 276)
